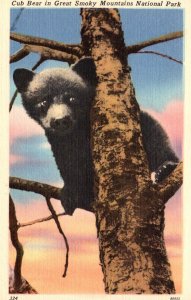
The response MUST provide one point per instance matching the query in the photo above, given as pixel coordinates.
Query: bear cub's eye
(69, 98)
(72, 99)
(41, 104)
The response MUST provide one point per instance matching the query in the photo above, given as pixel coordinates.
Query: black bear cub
(60, 101)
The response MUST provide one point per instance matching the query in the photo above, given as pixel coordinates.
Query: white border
(4, 142)
(187, 161)
(4, 161)
(88, 4)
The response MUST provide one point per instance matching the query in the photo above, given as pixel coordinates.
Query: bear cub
(60, 101)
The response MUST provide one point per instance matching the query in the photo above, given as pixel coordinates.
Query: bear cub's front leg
(68, 200)
(163, 171)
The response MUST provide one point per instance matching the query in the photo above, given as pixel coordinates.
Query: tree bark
(129, 208)
(13, 226)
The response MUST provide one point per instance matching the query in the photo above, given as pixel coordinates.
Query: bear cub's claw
(163, 171)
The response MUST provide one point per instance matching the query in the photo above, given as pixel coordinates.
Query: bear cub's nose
(63, 123)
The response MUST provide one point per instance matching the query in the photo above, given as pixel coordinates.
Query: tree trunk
(129, 208)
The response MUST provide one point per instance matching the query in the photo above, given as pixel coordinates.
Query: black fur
(68, 129)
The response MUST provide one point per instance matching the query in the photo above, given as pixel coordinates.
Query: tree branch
(23, 52)
(13, 100)
(25, 288)
(13, 226)
(32, 186)
(43, 189)
(45, 52)
(154, 41)
(74, 49)
(54, 215)
(49, 53)
(38, 63)
(171, 184)
(160, 54)
(39, 220)
(15, 21)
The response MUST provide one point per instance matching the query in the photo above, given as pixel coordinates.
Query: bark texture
(13, 226)
(129, 208)
(37, 187)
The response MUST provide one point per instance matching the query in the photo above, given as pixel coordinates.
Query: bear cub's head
(58, 99)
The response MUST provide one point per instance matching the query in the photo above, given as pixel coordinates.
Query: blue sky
(157, 81)
(159, 88)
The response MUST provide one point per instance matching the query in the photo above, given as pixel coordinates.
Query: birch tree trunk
(129, 208)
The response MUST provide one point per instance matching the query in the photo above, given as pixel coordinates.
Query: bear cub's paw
(68, 201)
(163, 171)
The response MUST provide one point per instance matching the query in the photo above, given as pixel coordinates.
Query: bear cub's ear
(86, 68)
(22, 78)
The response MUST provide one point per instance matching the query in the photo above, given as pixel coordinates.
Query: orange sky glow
(44, 257)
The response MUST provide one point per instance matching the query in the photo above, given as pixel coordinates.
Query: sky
(159, 90)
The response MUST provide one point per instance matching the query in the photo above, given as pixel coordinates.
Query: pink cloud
(171, 119)
(43, 243)
(21, 125)
(29, 211)
(45, 251)
(15, 159)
